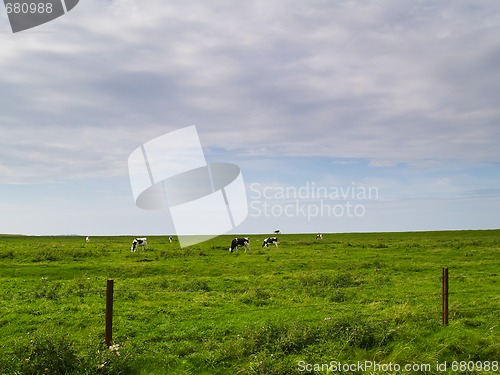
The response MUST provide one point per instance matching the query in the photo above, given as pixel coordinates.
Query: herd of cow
(245, 242)
(235, 243)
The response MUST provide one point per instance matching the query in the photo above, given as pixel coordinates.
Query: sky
(343, 116)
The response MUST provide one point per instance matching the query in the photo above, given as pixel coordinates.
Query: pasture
(298, 309)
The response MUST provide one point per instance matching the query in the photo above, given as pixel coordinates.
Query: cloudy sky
(343, 116)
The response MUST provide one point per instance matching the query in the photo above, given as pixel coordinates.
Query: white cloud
(392, 82)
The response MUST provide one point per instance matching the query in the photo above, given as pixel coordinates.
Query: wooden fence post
(109, 312)
(445, 296)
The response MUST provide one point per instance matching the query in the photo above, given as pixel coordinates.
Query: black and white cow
(319, 236)
(235, 243)
(170, 239)
(270, 241)
(143, 242)
(277, 231)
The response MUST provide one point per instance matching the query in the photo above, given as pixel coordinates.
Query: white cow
(235, 243)
(270, 240)
(143, 242)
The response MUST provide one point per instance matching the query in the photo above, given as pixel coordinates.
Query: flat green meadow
(346, 304)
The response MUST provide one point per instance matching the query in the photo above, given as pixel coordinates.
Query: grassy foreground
(346, 304)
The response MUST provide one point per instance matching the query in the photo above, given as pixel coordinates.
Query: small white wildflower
(115, 349)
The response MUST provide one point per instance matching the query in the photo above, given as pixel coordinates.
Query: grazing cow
(143, 242)
(170, 239)
(240, 242)
(87, 239)
(270, 241)
(277, 231)
(319, 236)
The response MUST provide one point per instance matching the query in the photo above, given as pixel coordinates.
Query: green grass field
(302, 308)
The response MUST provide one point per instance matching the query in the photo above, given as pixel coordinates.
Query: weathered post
(445, 296)
(109, 312)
